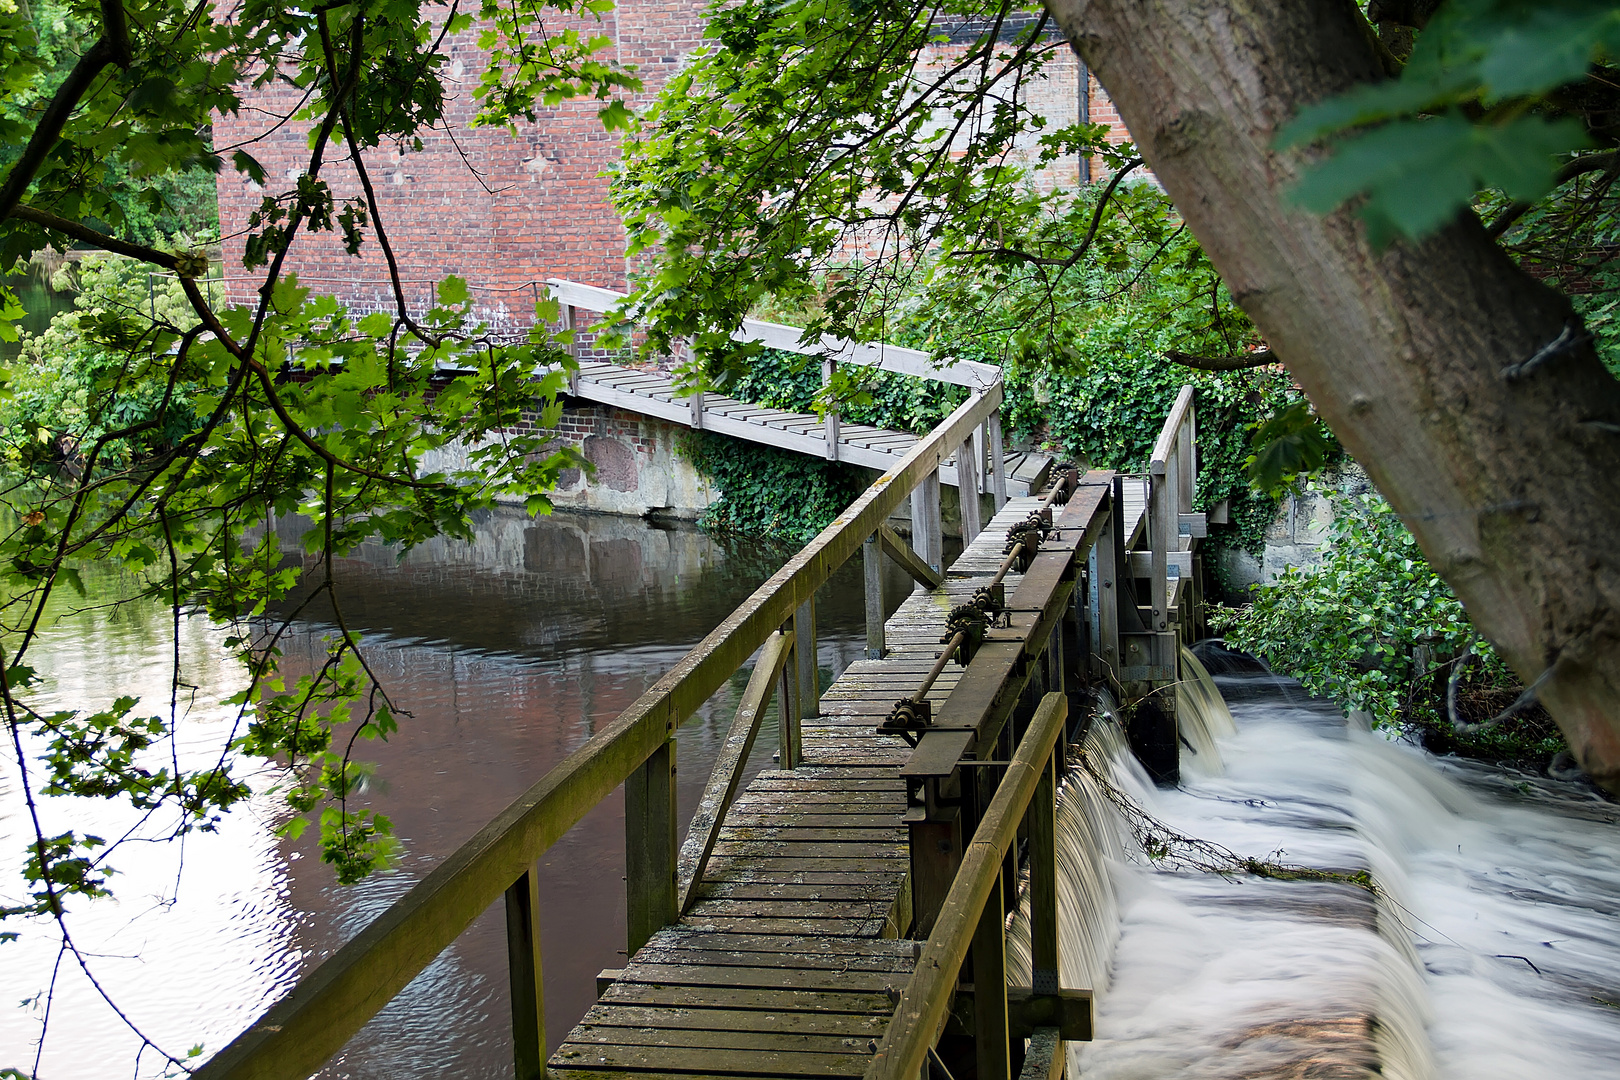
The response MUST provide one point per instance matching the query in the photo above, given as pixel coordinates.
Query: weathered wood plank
(768, 1062)
(699, 997)
(705, 1038)
(762, 978)
(676, 1019)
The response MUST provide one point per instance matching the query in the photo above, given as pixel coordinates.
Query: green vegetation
(1375, 628)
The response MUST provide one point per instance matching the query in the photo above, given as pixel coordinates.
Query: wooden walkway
(788, 964)
(652, 393)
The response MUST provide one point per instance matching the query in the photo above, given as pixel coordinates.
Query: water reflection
(508, 653)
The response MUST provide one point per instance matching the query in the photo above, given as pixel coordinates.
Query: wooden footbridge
(983, 464)
(844, 914)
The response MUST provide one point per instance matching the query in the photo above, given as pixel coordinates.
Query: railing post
(809, 674)
(571, 324)
(998, 462)
(872, 564)
(926, 526)
(967, 487)
(697, 411)
(991, 1041)
(523, 964)
(830, 425)
(1043, 916)
(649, 847)
(981, 439)
(1105, 591)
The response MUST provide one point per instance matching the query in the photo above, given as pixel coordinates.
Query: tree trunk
(1512, 487)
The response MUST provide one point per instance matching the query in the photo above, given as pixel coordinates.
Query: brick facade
(506, 212)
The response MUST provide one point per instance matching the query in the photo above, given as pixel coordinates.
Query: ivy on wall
(769, 492)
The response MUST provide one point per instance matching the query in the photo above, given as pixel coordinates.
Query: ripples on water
(508, 653)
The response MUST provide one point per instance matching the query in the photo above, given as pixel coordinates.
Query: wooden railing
(983, 470)
(326, 1007)
(972, 919)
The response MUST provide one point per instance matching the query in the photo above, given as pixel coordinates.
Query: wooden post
(523, 966)
(1106, 591)
(829, 423)
(967, 486)
(981, 440)
(998, 462)
(1187, 460)
(872, 563)
(926, 527)
(1164, 526)
(788, 740)
(804, 629)
(991, 1042)
(1041, 821)
(697, 411)
(571, 324)
(649, 846)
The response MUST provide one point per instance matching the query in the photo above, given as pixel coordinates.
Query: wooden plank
(844, 927)
(795, 961)
(910, 561)
(681, 937)
(779, 1063)
(710, 1039)
(775, 1000)
(761, 978)
(674, 1019)
(727, 773)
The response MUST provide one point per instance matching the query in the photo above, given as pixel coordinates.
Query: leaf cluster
(1495, 94)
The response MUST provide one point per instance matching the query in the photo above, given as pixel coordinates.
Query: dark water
(40, 302)
(508, 654)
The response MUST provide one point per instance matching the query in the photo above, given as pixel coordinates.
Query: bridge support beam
(650, 847)
(872, 564)
(523, 965)
(927, 527)
(967, 485)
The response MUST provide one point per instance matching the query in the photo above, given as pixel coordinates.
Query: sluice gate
(844, 914)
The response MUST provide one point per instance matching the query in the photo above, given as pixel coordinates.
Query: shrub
(1375, 628)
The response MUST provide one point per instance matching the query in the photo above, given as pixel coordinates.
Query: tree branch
(100, 239)
(1579, 167)
(1239, 362)
(50, 126)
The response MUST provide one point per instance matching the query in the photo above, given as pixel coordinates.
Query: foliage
(821, 135)
(770, 492)
(158, 436)
(885, 399)
(1494, 94)
(67, 388)
(146, 208)
(1375, 628)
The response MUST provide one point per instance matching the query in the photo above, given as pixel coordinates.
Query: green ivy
(769, 492)
(1375, 628)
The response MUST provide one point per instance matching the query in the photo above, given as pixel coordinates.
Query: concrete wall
(1295, 537)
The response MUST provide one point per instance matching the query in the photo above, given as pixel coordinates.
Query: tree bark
(1511, 484)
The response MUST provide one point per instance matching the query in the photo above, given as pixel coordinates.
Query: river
(508, 653)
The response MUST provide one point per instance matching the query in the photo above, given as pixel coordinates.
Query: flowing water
(1491, 950)
(508, 653)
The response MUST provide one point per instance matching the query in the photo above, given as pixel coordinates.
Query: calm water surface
(508, 654)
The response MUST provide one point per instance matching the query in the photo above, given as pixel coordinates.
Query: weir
(846, 913)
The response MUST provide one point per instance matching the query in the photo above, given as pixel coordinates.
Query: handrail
(1169, 434)
(295, 1036)
(926, 999)
(969, 373)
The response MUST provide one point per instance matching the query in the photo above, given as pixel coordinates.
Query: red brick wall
(538, 205)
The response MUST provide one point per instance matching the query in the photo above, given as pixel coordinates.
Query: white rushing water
(1491, 952)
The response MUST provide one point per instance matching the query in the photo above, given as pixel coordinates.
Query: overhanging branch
(1239, 362)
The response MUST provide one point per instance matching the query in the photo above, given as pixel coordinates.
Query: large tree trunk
(1512, 487)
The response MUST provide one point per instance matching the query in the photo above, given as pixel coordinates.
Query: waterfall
(1490, 949)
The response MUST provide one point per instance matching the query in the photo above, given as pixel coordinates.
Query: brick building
(507, 212)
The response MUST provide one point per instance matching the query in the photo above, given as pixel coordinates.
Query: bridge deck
(788, 965)
(653, 394)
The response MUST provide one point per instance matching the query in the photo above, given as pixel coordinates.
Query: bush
(1375, 628)
(769, 492)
